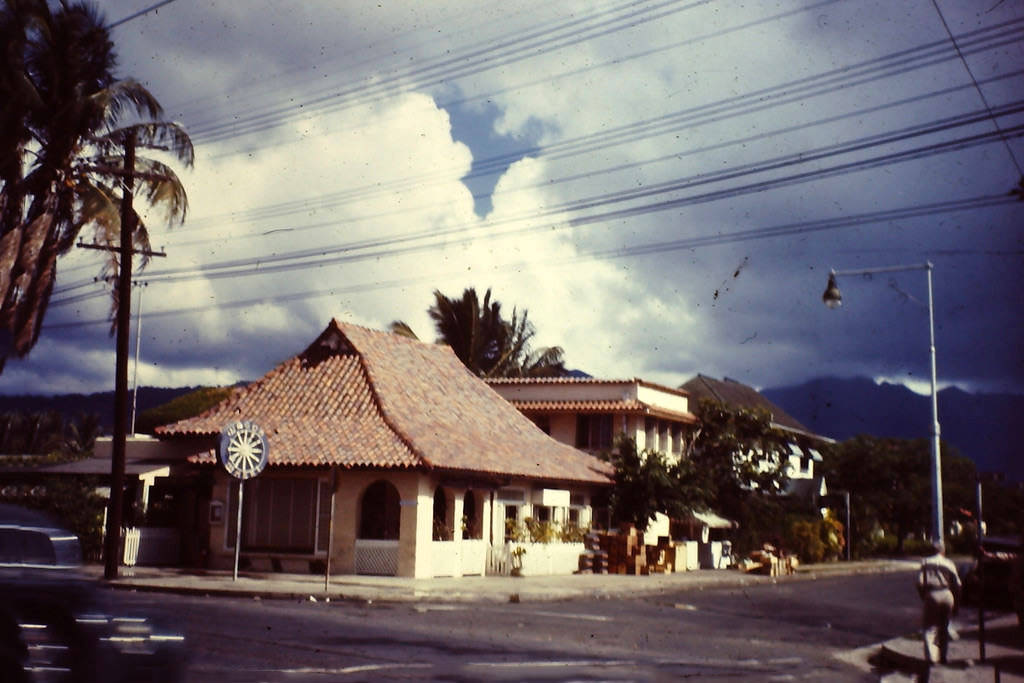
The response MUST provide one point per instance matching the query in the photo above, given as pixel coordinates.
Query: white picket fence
(154, 546)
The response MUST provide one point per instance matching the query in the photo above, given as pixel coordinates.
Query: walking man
(938, 584)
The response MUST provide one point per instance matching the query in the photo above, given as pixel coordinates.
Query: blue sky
(664, 185)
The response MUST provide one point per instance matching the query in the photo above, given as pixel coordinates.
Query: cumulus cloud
(639, 155)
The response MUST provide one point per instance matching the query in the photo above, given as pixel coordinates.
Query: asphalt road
(799, 630)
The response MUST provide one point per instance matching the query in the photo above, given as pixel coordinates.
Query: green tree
(486, 343)
(185, 406)
(62, 134)
(82, 433)
(646, 484)
(889, 482)
(738, 460)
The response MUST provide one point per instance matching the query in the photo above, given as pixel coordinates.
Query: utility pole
(112, 546)
(112, 541)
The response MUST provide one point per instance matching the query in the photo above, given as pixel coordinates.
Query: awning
(713, 521)
(796, 450)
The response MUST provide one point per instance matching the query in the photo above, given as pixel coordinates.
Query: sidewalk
(1004, 652)
(462, 589)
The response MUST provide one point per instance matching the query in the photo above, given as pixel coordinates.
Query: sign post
(243, 452)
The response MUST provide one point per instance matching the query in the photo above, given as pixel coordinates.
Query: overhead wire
(607, 137)
(701, 115)
(434, 73)
(138, 14)
(391, 247)
(981, 93)
(717, 239)
(938, 50)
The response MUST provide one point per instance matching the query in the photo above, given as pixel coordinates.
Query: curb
(526, 594)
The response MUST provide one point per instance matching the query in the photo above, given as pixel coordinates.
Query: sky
(664, 185)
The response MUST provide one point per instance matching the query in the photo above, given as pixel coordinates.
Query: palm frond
(125, 96)
(401, 328)
(167, 136)
(100, 207)
(160, 186)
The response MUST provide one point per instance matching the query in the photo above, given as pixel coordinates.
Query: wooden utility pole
(125, 250)
(112, 545)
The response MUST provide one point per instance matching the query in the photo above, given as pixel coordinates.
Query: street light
(833, 299)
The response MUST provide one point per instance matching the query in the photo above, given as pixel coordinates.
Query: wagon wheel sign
(243, 449)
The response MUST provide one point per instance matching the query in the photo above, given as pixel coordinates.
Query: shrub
(540, 532)
(803, 538)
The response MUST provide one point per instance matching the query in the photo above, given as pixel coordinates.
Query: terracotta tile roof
(314, 413)
(358, 397)
(733, 393)
(586, 380)
(454, 420)
(597, 406)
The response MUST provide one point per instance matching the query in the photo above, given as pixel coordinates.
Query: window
(677, 439)
(594, 432)
(442, 530)
(380, 513)
(283, 514)
(470, 517)
(511, 522)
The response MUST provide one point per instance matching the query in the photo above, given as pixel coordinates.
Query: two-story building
(802, 477)
(591, 413)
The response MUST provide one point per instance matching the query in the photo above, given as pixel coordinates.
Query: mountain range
(978, 424)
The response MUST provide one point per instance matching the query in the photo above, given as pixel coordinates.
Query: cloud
(326, 129)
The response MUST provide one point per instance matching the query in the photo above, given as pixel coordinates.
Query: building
(803, 444)
(590, 413)
(386, 454)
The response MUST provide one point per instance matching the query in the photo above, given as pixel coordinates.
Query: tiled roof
(630, 407)
(584, 380)
(314, 413)
(358, 397)
(733, 393)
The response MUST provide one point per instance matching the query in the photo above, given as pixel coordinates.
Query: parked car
(997, 578)
(54, 621)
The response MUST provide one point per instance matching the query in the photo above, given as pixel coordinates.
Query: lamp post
(833, 299)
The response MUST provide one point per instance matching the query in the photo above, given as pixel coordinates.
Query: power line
(523, 46)
(140, 13)
(390, 247)
(799, 228)
(704, 114)
(981, 94)
(938, 51)
(799, 90)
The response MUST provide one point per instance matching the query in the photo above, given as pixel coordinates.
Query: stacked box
(594, 560)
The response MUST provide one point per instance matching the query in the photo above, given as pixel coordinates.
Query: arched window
(470, 517)
(380, 513)
(442, 529)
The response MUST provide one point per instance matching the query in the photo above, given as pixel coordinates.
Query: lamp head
(832, 298)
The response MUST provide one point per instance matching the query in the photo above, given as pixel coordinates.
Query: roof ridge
(368, 375)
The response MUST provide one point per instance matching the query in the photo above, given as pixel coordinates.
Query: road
(793, 630)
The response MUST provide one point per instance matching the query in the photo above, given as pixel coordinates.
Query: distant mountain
(979, 425)
(102, 404)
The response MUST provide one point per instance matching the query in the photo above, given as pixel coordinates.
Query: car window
(26, 547)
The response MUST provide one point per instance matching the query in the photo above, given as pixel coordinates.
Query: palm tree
(486, 343)
(475, 331)
(62, 136)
